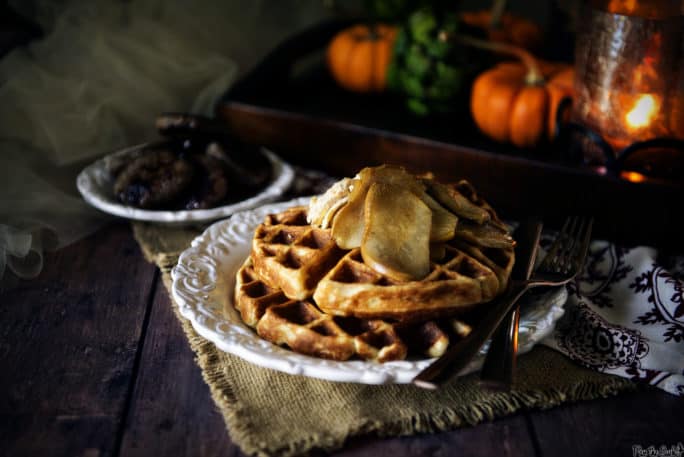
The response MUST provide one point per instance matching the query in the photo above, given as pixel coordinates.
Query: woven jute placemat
(272, 413)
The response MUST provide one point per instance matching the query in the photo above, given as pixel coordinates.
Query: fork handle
(499, 365)
(457, 357)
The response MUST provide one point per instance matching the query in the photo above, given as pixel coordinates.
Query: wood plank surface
(68, 346)
(505, 437)
(171, 411)
(611, 426)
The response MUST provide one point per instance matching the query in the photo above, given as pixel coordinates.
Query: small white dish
(95, 183)
(203, 282)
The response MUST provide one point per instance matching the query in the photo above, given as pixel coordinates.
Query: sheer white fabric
(96, 82)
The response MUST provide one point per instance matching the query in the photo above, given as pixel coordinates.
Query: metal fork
(563, 262)
(499, 365)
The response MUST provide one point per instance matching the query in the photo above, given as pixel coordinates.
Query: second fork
(563, 262)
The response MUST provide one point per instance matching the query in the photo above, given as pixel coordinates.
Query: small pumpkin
(358, 57)
(509, 28)
(516, 102)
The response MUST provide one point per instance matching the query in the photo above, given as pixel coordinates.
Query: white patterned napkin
(625, 315)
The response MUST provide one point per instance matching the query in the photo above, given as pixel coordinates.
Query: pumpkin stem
(495, 14)
(373, 34)
(534, 75)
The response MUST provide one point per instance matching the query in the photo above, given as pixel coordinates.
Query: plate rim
(283, 176)
(192, 297)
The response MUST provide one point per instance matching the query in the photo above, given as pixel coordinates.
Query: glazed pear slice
(443, 222)
(347, 226)
(396, 239)
(390, 174)
(348, 223)
(456, 202)
(323, 208)
(486, 235)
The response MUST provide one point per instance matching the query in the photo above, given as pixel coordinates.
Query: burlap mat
(272, 413)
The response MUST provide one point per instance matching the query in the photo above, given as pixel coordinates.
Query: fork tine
(552, 256)
(573, 257)
(569, 250)
(567, 258)
(584, 247)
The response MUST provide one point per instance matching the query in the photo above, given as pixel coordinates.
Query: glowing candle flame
(643, 112)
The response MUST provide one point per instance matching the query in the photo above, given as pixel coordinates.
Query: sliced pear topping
(330, 214)
(396, 239)
(323, 208)
(389, 174)
(456, 202)
(400, 220)
(486, 235)
(347, 226)
(497, 224)
(443, 222)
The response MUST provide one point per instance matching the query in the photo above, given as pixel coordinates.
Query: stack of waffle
(300, 289)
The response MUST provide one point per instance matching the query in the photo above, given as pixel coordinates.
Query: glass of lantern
(629, 72)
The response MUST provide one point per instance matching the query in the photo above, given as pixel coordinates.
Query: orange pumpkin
(514, 103)
(510, 29)
(358, 57)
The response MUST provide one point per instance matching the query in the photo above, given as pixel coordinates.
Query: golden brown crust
(300, 325)
(455, 284)
(291, 255)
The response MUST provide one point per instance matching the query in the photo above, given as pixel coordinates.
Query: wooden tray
(289, 103)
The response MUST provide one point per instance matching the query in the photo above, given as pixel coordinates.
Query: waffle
(291, 255)
(455, 284)
(303, 327)
(304, 261)
(299, 289)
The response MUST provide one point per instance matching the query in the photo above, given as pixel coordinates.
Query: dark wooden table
(94, 363)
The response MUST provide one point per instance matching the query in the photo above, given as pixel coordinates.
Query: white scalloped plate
(95, 184)
(203, 282)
